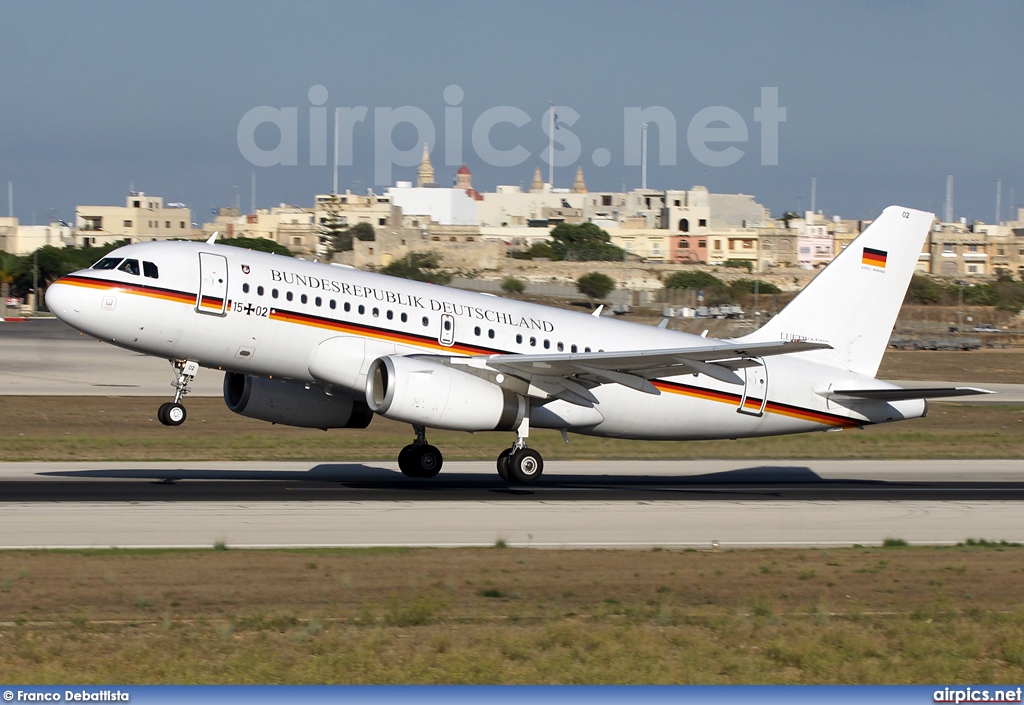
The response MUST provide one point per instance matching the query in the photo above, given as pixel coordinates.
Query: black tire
(405, 461)
(526, 465)
(428, 460)
(421, 462)
(503, 465)
(161, 413)
(175, 414)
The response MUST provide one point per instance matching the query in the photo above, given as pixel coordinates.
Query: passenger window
(561, 347)
(131, 266)
(107, 263)
(519, 338)
(149, 270)
(348, 307)
(361, 309)
(318, 301)
(288, 295)
(376, 311)
(273, 293)
(573, 348)
(426, 321)
(490, 333)
(533, 342)
(391, 314)
(586, 349)
(245, 288)
(476, 330)
(259, 290)
(405, 317)
(334, 304)
(303, 298)
(547, 344)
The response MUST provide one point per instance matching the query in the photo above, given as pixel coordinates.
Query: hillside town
(476, 230)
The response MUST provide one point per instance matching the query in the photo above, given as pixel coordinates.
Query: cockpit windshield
(107, 263)
(130, 265)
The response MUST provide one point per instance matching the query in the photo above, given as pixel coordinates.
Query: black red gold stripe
(425, 341)
(875, 258)
(753, 403)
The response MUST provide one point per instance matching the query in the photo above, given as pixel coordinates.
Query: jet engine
(425, 393)
(292, 403)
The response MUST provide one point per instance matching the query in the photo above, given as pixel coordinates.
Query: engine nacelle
(425, 393)
(292, 403)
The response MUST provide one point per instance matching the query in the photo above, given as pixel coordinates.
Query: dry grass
(112, 428)
(974, 367)
(879, 615)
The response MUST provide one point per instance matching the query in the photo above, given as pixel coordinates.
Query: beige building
(460, 247)
(291, 226)
(142, 218)
(17, 239)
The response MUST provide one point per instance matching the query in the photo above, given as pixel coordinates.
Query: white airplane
(315, 345)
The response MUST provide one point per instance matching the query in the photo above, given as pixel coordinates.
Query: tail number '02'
(906, 214)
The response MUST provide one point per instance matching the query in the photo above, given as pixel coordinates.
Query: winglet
(213, 238)
(597, 311)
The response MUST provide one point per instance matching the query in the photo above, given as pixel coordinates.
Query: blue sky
(882, 98)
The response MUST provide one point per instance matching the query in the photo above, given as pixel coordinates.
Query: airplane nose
(60, 300)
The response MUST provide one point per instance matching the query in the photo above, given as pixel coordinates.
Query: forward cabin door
(213, 284)
(755, 388)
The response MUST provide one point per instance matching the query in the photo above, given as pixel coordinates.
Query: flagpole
(551, 146)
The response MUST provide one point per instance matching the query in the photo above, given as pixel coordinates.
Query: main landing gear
(519, 463)
(172, 413)
(419, 458)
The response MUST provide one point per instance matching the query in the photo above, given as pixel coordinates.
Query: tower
(538, 183)
(425, 174)
(579, 185)
(463, 179)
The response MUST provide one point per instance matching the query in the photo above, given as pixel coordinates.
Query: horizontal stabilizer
(899, 394)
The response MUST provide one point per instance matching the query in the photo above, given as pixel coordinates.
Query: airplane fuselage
(264, 315)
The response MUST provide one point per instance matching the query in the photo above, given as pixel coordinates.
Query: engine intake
(425, 393)
(292, 403)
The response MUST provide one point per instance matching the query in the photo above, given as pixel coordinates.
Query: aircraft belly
(692, 416)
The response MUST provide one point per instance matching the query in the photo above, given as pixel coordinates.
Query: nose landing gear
(172, 413)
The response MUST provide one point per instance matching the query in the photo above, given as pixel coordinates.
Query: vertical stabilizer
(853, 303)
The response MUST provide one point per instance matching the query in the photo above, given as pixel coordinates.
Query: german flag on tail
(875, 258)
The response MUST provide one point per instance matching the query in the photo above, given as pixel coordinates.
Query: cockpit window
(130, 265)
(107, 263)
(149, 269)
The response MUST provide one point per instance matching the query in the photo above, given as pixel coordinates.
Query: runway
(599, 504)
(577, 504)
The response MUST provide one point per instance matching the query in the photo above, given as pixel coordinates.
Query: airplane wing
(570, 376)
(900, 394)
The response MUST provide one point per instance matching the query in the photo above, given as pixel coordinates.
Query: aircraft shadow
(362, 482)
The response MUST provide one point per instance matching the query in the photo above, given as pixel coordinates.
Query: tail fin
(853, 303)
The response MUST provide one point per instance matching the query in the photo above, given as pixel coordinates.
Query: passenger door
(755, 388)
(213, 284)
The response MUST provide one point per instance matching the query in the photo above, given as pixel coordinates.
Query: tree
(583, 243)
(739, 264)
(595, 285)
(692, 280)
(746, 286)
(419, 266)
(8, 267)
(260, 244)
(511, 285)
(924, 290)
(341, 237)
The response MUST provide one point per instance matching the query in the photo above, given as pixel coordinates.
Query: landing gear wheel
(420, 461)
(404, 463)
(172, 414)
(525, 465)
(503, 465)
